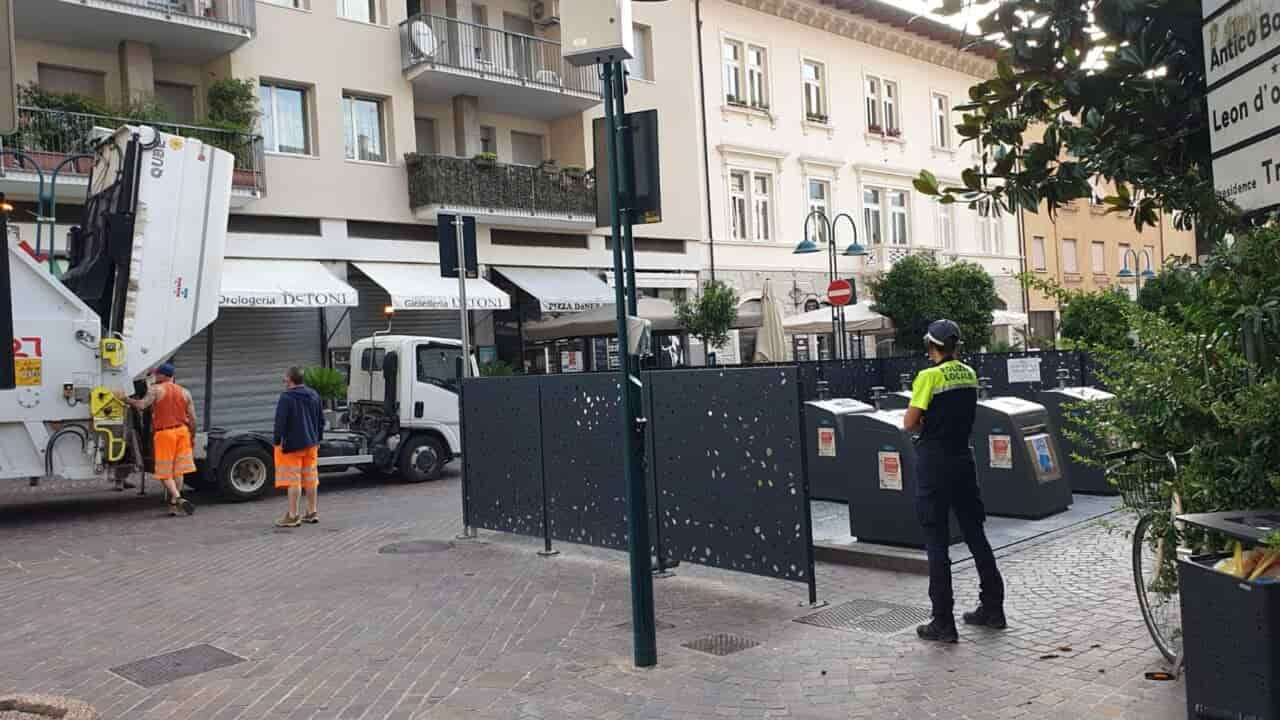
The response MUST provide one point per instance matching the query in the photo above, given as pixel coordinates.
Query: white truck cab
(422, 377)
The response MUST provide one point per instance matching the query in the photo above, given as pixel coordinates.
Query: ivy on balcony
(504, 189)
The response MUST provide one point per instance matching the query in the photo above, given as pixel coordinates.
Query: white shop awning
(420, 287)
(282, 284)
(559, 290)
(663, 280)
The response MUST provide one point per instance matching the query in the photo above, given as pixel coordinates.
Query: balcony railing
(523, 190)
(241, 13)
(489, 52)
(48, 137)
(884, 256)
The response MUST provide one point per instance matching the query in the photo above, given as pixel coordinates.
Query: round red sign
(840, 292)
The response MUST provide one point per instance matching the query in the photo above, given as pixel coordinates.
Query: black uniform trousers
(946, 483)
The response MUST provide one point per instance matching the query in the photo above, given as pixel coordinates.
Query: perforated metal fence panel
(728, 468)
(582, 445)
(502, 442)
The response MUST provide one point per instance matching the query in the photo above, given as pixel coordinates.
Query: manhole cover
(868, 616)
(721, 644)
(415, 547)
(161, 669)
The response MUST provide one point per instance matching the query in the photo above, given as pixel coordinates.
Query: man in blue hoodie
(299, 427)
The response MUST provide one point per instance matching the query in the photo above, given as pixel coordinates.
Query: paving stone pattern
(330, 628)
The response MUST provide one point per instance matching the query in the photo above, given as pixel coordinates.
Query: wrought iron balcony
(507, 71)
(513, 194)
(48, 137)
(193, 31)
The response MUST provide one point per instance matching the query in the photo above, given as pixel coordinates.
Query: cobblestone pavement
(331, 628)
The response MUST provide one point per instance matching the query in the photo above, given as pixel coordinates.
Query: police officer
(944, 400)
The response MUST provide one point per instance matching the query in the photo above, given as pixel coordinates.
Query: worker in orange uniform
(173, 420)
(298, 430)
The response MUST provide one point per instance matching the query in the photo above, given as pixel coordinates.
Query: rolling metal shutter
(367, 317)
(252, 349)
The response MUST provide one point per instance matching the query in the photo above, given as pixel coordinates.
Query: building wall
(1087, 224)
(782, 142)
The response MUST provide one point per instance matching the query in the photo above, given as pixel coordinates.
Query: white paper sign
(1244, 108)
(1239, 36)
(890, 471)
(1001, 451)
(826, 442)
(1250, 176)
(1024, 370)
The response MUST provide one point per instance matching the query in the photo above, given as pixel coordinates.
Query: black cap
(943, 333)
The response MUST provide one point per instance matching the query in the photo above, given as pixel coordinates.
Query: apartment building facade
(836, 107)
(379, 116)
(1083, 248)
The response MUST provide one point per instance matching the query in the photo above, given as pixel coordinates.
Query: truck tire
(246, 472)
(421, 459)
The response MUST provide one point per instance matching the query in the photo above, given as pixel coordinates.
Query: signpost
(459, 236)
(840, 292)
(1242, 69)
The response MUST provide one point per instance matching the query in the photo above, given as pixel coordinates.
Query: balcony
(188, 31)
(500, 194)
(883, 257)
(49, 137)
(508, 72)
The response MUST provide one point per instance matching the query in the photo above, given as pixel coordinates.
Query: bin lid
(1087, 394)
(841, 406)
(1249, 526)
(890, 417)
(1011, 405)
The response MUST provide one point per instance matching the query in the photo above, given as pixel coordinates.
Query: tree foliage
(233, 104)
(1173, 292)
(1118, 89)
(711, 315)
(916, 291)
(1097, 318)
(329, 383)
(1206, 378)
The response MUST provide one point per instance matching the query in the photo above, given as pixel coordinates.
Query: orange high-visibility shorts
(173, 453)
(298, 468)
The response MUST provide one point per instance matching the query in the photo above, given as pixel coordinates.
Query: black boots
(940, 629)
(992, 617)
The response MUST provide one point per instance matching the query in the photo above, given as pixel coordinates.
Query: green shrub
(329, 383)
(233, 104)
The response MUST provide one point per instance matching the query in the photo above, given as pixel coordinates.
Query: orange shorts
(173, 453)
(298, 468)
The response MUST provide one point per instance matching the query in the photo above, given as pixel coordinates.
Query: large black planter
(1231, 628)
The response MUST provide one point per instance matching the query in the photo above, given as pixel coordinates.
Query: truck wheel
(422, 458)
(246, 473)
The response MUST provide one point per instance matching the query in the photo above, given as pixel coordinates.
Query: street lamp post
(808, 246)
(1125, 273)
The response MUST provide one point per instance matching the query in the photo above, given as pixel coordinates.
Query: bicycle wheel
(1157, 584)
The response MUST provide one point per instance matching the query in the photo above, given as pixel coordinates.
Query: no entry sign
(840, 292)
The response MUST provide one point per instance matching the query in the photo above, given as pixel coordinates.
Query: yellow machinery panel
(108, 418)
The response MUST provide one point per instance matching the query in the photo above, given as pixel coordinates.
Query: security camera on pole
(598, 33)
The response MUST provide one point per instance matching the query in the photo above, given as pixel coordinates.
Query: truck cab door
(435, 391)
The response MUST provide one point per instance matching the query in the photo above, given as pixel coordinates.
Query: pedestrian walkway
(355, 618)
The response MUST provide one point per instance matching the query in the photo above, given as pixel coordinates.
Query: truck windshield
(438, 365)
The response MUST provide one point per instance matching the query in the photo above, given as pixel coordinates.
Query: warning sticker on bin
(1001, 450)
(826, 442)
(27, 371)
(890, 471)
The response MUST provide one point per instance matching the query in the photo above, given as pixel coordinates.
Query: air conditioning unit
(545, 12)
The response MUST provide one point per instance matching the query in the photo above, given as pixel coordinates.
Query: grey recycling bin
(881, 475)
(829, 446)
(1083, 478)
(1019, 464)
(894, 400)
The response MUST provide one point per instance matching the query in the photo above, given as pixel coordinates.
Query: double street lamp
(1126, 274)
(807, 246)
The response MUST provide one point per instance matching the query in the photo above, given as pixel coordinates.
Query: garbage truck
(144, 277)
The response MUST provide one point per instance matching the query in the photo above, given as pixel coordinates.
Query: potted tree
(711, 315)
(485, 159)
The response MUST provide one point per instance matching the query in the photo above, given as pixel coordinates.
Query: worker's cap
(944, 333)
(165, 369)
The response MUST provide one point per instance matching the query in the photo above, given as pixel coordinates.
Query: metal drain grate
(415, 547)
(721, 644)
(868, 616)
(161, 669)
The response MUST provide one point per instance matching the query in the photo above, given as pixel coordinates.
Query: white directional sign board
(1242, 69)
